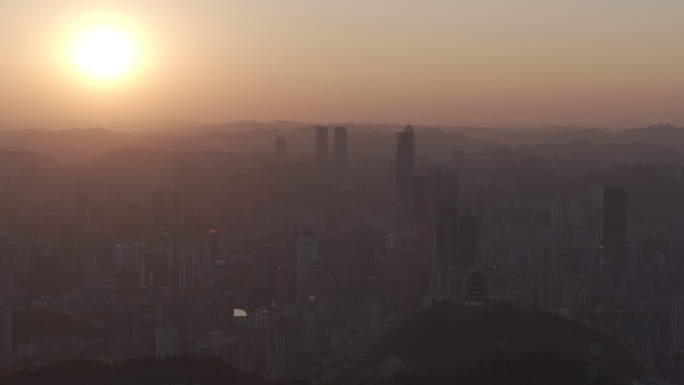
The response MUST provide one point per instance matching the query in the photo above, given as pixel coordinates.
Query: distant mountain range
(654, 143)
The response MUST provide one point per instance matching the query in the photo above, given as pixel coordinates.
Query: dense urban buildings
(292, 269)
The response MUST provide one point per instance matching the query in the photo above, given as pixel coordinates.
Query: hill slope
(439, 339)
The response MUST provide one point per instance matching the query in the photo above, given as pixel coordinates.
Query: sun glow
(104, 53)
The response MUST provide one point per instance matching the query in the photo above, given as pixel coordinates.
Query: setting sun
(104, 53)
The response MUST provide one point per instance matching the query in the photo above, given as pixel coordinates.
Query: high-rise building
(468, 240)
(127, 333)
(217, 315)
(213, 245)
(5, 333)
(341, 151)
(433, 193)
(261, 318)
(165, 210)
(419, 200)
(614, 226)
(226, 346)
(406, 148)
(371, 314)
(641, 339)
(447, 233)
(288, 327)
(275, 358)
(677, 325)
(280, 146)
(186, 273)
(321, 147)
(166, 341)
(307, 253)
(176, 209)
(282, 284)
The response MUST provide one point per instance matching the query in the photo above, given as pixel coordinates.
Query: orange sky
(499, 62)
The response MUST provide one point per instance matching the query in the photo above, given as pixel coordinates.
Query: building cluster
(292, 265)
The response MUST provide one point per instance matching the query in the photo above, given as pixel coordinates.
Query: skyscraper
(406, 147)
(321, 147)
(433, 193)
(307, 253)
(341, 151)
(468, 240)
(614, 226)
(677, 325)
(176, 208)
(5, 333)
(280, 146)
(166, 341)
(447, 233)
(127, 333)
(275, 356)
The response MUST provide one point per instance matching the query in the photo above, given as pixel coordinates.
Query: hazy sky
(496, 62)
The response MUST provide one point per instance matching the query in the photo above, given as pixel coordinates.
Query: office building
(226, 346)
(166, 341)
(127, 333)
(261, 318)
(405, 160)
(275, 356)
(677, 325)
(307, 253)
(468, 240)
(447, 233)
(5, 333)
(282, 284)
(614, 228)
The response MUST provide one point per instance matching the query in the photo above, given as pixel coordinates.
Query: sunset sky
(487, 62)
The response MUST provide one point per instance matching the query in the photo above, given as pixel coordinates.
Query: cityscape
(385, 192)
(293, 265)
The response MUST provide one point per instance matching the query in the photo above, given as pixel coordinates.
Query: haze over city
(341, 193)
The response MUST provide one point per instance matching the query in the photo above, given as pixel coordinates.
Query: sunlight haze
(436, 62)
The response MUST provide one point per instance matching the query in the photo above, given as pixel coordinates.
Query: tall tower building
(166, 341)
(614, 226)
(321, 147)
(127, 333)
(5, 333)
(406, 148)
(677, 325)
(176, 207)
(468, 240)
(447, 233)
(341, 151)
(307, 253)
(275, 356)
(433, 193)
(280, 146)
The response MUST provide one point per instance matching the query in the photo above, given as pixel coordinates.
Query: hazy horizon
(496, 64)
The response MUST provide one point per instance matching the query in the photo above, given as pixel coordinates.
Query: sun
(104, 52)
